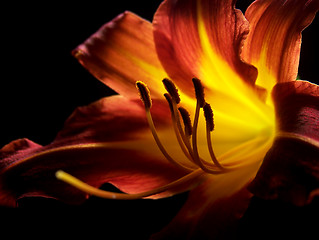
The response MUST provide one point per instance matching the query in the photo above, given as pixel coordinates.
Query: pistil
(75, 182)
(173, 101)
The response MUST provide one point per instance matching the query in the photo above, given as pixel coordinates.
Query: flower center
(187, 138)
(245, 153)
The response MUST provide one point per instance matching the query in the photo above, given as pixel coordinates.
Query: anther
(186, 120)
(209, 117)
(172, 90)
(144, 94)
(170, 103)
(199, 91)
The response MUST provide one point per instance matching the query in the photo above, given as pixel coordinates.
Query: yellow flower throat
(187, 139)
(194, 163)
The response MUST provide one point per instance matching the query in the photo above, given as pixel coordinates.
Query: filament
(210, 148)
(146, 99)
(197, 158)
(160, 145)
(182, 133)
(187, 140)
(187, 121)
(177, 128)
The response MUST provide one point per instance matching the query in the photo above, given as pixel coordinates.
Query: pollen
(186, 120)
(193, 164)
(172, 90)
(144, 94)
(209, 117)
(187, 138)
(199, 92)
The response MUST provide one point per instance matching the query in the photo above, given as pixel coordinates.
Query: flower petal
(88, 151)
(213, 208)
(95, 164)
(201, 39)
(290, 170)
(122, 52)
(273, 43)
(115, 118)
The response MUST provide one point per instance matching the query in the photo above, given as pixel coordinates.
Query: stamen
(199, 91)
(210, 148)
(144, 94)
(160, 145)
(186, 120)
(172, 90)
(170, 102)
(190, 151)
(209, 117)
(182, 141)
(208, 112)
(75, 182)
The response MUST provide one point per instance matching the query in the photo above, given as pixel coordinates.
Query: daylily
(232, 109)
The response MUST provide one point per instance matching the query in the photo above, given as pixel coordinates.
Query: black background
(41, 84)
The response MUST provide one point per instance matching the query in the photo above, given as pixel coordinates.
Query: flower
(242, 76)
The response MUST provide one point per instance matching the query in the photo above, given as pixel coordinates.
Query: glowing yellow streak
(266, 78)
(254, 151)
(151, 72)
(220, 77)
(239, 113)
(223, 79)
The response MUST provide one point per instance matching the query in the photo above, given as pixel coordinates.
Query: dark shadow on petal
(290, 171)
(136, 219)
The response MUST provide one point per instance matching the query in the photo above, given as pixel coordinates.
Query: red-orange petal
(97, 145)
(115, 118)
(129, 170)
(122, 52)
(214, 208)
(290, 170)
(274, 40)
(184, 30)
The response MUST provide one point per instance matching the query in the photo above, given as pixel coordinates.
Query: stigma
(185, 130)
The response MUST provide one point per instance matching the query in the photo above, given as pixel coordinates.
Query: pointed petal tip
(122, 52)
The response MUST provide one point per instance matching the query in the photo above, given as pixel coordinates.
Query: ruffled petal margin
(274, 40)
(203, 39)
(290, 170)
(89, 151)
